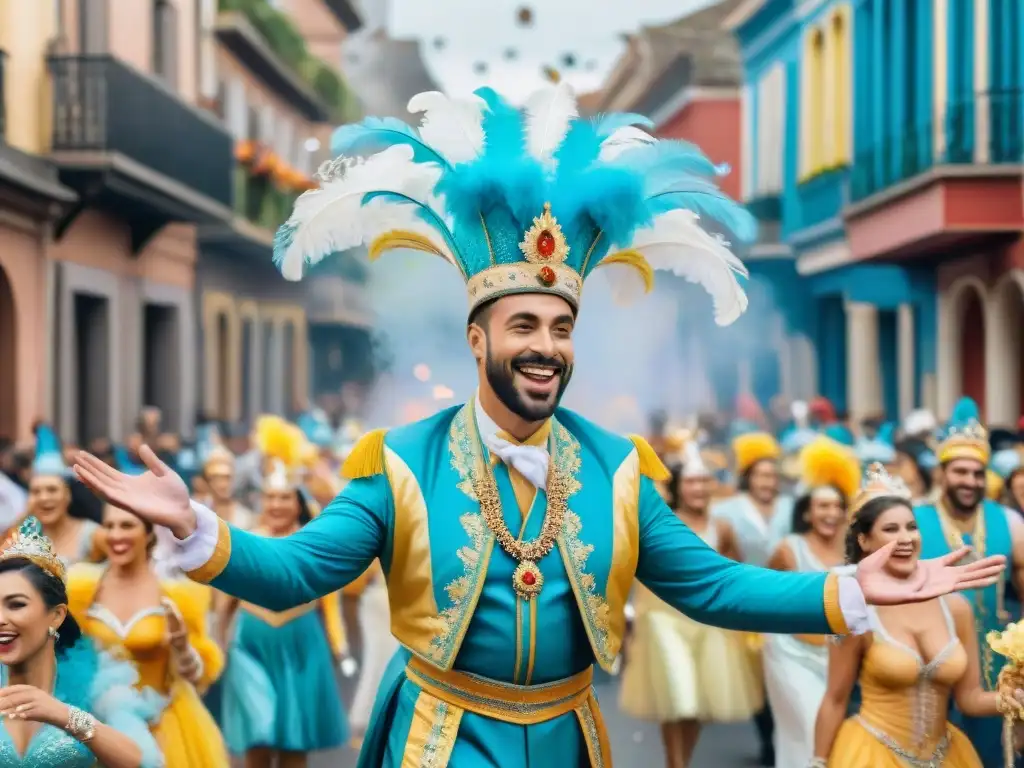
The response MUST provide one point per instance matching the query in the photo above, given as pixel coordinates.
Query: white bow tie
(531, 461)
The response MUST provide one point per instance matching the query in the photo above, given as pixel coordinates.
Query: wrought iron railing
(101, 104)
(914, 151)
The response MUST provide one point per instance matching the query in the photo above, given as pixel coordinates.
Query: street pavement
(634, 744)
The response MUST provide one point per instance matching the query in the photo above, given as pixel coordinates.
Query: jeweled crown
(878, 483)
(30, 543)
(965, 441)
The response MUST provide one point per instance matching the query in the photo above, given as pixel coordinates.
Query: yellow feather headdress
(826, 463)
(283, 446)
(754, 447)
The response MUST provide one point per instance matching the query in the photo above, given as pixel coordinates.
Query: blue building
(881, 149)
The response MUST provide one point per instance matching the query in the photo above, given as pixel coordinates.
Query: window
(771, 120)
(206, 50)
(236, 111)
(92, 26)
(252, 119)
(165, 41)
(749, 173)
(842, 88)
(812, 143)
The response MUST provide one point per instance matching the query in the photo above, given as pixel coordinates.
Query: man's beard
(501, 377)
(958, 505)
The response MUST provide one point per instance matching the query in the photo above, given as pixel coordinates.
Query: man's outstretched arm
(686, 573)
(327, 553)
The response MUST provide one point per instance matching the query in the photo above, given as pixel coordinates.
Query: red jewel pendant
(527, 580)
(546, 244)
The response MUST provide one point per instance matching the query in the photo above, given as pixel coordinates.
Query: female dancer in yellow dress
(917, 658)
(161, 624)
(680, 673)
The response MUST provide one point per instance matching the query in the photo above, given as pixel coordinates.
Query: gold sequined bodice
(905, 698)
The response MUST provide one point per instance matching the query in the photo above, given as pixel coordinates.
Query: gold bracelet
(81, 725)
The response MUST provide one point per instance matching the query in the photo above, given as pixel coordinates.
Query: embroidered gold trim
(464, 590)
(218, 561)
(278, 618)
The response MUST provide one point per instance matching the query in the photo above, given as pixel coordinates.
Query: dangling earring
(53, 633)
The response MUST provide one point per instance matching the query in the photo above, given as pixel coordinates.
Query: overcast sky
(470, 43)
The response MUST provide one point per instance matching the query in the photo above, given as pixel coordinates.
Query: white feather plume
(626, 137)
(332, 218)
(800, 412)
(693, 462)
(627, 285)
(549, 113)
(453, 127)
(676, 242)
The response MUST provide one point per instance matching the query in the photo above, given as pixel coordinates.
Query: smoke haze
(630, 360)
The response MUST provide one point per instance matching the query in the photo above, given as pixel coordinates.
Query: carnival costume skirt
(856, 747)
(286, 672)
(678, 669)
(186, 732)
(795, 672)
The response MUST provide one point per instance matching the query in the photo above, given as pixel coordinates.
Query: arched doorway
(8, 371)
(971, 323)
(1006, 313)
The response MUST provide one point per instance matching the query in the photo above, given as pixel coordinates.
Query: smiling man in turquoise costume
(511, 530)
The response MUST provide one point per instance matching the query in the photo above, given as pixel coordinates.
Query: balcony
(932, 188)
(346, 14)
(819, 200)
(262, 202)
(265, 41)
(126, 143)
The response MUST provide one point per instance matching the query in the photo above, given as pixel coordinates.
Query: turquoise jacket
(413, 505)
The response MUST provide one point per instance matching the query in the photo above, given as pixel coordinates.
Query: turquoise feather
(376, 133)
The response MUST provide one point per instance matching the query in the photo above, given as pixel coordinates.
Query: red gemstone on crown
(546, 244)
(547, 275)
(529, 579)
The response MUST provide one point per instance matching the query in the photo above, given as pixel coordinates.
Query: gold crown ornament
(966, 441)
(30, 543)
(878, 484)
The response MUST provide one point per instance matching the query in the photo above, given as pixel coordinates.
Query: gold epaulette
(367, 456)
(650, 465)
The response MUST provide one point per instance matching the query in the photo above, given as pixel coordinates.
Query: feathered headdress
(825, 463)
(283, 447)
(878, 449)
(754, 447)
(525, 200)
(49, 458)
(30, 543)
(965, 437)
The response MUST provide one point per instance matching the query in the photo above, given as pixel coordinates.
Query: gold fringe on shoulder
(367, 457)
(650, 464)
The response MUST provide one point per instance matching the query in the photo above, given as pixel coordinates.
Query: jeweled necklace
(527, 579)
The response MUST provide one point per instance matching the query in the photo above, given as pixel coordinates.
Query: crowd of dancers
(216, 676)
(919, 689)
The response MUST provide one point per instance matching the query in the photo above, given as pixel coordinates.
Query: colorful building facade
(271, 77)
(882, 141)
